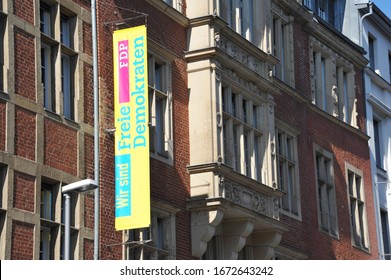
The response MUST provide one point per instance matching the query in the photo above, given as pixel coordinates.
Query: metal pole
(67, 238)
(96, 130)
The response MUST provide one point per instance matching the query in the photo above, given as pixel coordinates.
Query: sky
(384, 5)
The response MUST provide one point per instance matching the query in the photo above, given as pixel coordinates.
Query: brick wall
(25, 133)
(24, 189)
(25, 9)
(22, 247)
(346, 146)
(24, 64)
(88, 249)
(60, 147)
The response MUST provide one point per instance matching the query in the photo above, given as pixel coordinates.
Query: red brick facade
(24, 64)
(22, 242)
(346, 145)
(25, 133)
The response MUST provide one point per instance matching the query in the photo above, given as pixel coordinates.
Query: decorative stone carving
(240, 55)
(249, 199)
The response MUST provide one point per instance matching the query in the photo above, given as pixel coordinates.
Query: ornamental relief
(239, 54)
(249, 199)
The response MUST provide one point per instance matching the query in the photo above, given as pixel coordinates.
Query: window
(320, 81)
(377, 141)
(371, 52)
(327, 211)
(65, 31)
(46, 20)
(346, 97)
(282, 42)
(241, 134)
(3, 69)
(3, 177)
(49, 227)
(154, 243)
(68, 64)
(239, 16)
(287, 171)
(52, 220)
(332, 83)
(58, 87)
(159, 79)
(177, 4)
(357, 208)
(48, 204)
(47, 77)
(68, 85)
(331, 11)
(385, 234)
(47, 243)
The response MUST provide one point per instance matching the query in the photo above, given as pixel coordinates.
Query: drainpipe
(369, 5)
(96, 130)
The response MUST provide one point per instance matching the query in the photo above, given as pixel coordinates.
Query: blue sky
(384, 5)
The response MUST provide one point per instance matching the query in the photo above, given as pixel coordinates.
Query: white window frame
(357, 209)
(241, 134)
(282, 43)
(288, 170)
(320, 80)
(161, 144)
(346, 95)
(239, 14)
(325, 192)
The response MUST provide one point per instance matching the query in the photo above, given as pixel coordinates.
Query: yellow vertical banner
(132, 182)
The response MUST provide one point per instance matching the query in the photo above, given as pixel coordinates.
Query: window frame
(372, 43)
(161, 131)
(241, 135)
(282, 46)
(357, 207)
(346, 97)
(59, 60)
(3, 184)
(68, 85)
(48, 54)
(289, 165)
(377, 141)
(325, 192)
(234, 12)
(176, 4)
